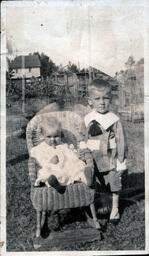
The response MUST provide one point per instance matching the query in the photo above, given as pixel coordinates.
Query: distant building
(77, 83)
(25, 66)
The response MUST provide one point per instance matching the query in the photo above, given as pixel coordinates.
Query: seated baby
(60, 163)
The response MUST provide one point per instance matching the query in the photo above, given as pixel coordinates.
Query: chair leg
(43, 217)
(92, 208)
(38, 227)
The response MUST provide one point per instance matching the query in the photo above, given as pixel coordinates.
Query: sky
(91, 35)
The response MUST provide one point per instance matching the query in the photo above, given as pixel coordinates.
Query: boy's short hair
(99, 84)
(50, 122)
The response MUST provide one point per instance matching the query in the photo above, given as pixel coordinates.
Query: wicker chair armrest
(32, 170)
(86, 156)
(29, 138)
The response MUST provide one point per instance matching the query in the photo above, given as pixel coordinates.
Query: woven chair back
(72, 124)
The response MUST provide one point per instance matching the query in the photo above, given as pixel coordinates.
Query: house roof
(99, 72)
(30, 61)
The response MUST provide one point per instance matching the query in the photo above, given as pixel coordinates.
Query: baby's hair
(50, 122)
(99, 84)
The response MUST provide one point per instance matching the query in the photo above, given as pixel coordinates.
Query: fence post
(23, 86)
(86, 85)
(66, 85)
(90, 75)
(56, 78)
(48, 89)
(132, 112)
(23, 94)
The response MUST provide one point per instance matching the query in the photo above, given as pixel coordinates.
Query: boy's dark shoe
(53, 182)
(114, 221)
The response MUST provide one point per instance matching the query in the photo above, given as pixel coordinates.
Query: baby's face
(52, 137)
(100, 100)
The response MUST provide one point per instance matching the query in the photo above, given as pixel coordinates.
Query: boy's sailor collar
(106, 120)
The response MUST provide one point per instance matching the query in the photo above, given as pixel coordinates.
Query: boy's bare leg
(43, 217)
(38, 227)
(115, 216)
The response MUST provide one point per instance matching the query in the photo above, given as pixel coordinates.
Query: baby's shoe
(37, 184)
(52, 180)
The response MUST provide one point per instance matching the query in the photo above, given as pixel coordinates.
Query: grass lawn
(129, 234)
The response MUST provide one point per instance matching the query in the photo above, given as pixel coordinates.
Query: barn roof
(100, 72)
(30, 61)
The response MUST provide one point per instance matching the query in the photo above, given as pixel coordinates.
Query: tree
(74, 68)
(51, 67)
(47, 65)
(130, 62)
(44, 59)
(141, 61)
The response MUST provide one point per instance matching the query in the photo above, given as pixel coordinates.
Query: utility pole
(90, 74)
(79, 66)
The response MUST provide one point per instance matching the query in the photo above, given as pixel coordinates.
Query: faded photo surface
(72, 121)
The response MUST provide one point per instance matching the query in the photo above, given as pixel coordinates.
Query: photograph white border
(3, 120)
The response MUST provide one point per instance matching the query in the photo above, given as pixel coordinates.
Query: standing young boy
(105, 138)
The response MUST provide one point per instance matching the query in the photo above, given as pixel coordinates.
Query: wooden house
(25, 67)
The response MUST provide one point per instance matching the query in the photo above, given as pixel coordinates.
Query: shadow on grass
(133, 191)
(133, 180)
(63, 219)
(133, 185)
(16, 160)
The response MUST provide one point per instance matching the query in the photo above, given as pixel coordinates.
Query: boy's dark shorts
(112, 179)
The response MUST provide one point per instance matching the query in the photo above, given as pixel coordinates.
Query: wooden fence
(133, 113)
(71, 92)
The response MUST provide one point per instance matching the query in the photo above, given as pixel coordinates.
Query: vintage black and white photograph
(72, 117)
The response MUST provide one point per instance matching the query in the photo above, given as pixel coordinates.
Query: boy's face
(52, 136)
(100, 100)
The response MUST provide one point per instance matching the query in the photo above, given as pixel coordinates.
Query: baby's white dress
(69, 168)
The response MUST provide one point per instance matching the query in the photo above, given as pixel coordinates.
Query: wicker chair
(46, 199)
